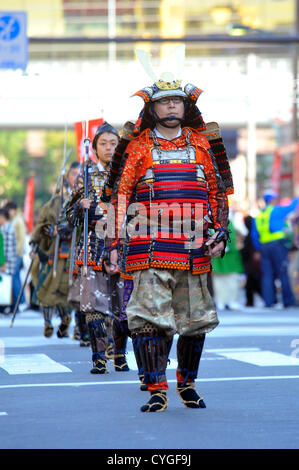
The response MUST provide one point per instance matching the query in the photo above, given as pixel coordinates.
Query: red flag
(92, 127)
(29, 205)
(276, 171)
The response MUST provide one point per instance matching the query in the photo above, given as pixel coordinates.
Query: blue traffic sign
(9, 28)
(13, 40)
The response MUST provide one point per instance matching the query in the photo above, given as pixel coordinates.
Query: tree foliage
(17, 165)
(14, 165)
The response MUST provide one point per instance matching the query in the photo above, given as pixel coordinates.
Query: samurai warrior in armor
(174, 174)
(51, 290)
(98, 293)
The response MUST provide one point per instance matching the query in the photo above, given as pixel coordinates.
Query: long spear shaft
(20, 295)
(21, 291)
(86, 157)
(72, 260)
(57, 240)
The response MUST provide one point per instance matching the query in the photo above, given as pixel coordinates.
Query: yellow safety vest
(263, 227)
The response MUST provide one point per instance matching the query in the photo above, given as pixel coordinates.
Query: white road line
(134, 367)
(130, 382)
(3, 413)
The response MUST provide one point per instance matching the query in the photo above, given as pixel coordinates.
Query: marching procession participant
(80, 331)
(109, 195)
(170, 162)
(49, 273)
(100, 293)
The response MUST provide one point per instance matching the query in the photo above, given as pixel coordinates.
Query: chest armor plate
(175, 177)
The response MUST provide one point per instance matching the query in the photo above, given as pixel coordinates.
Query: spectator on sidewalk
(252, 265)
(2, 257)
(226, 273)
(18, 223)
(270, 238)
(10, 243)
(294, 275)
(2, 268)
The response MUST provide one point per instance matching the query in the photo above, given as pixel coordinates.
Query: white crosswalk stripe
(31, 364)
(257, 357)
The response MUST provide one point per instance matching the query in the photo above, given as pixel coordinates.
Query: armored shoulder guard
(117, 163)
(213, 135)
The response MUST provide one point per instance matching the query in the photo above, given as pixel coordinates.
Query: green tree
(14, 165)
(47, 169)
(17, 165)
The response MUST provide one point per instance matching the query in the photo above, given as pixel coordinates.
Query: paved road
(249, 378)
